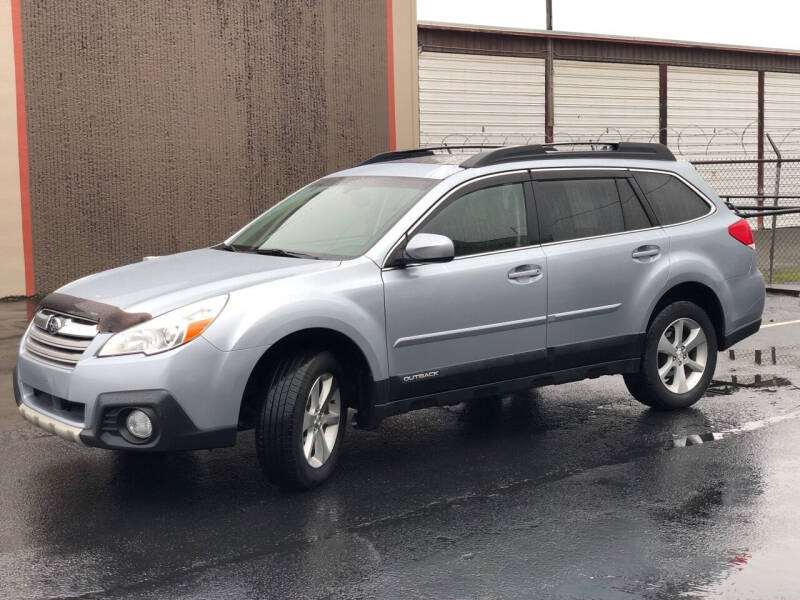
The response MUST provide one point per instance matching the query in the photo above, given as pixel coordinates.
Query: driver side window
(485, 220)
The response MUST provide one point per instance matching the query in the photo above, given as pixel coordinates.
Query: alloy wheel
(321, 420)
(682, 355)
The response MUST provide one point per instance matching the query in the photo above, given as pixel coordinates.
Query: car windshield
(335, 217)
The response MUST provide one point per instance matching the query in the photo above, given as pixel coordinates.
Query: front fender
(348, 300)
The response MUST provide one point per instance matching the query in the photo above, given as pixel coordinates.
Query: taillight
(741, 232)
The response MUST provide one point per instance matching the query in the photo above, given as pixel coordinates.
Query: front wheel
(679, 359)
(302, 420)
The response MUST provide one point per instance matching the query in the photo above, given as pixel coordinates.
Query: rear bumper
(743, 300)
(738, 335)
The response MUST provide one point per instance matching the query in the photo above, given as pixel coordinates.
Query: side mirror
(430, 247)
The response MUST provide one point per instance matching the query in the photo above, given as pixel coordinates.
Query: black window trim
(471, 185)
(530, 175)
(683, 180)
(559, 173)
(573, 173)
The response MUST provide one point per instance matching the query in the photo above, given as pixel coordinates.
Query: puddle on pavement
(701, 438)
(695, 439)
(727, 385)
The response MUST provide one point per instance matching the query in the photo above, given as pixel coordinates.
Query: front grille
(59, 339)
(110, 421)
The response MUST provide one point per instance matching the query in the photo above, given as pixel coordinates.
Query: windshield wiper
(228, 247)
(287, 253)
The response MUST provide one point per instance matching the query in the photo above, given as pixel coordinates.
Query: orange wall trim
(390, 74)
(22, 138)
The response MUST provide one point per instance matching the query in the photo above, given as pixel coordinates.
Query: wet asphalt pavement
(574, 491)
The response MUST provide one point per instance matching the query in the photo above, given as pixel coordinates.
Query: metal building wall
(598, 101)
(712, 112)
(782, 123)
(782, 111)
(155, 127)
(710, 93)
(475, 98)
(598, 48)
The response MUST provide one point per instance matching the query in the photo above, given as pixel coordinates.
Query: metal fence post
(775, 204)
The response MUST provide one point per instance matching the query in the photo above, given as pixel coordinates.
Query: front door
(481, 317)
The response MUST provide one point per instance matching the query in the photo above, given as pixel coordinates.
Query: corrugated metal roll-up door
(712, 113)
(605, 101)
(470, 98)
(782, 112)
(782, 123)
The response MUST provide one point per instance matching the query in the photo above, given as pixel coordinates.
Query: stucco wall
(155, 127)
(406, 73)
(12, 262)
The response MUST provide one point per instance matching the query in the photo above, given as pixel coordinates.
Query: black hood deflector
(109, 319)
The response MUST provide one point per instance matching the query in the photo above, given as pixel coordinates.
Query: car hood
(164, 283)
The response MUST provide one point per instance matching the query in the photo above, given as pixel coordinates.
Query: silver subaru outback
(419, 278)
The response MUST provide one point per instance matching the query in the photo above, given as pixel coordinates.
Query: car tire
(302, 420)
(679, 358)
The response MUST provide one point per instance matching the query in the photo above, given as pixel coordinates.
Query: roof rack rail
(415, 152)
(637, 150)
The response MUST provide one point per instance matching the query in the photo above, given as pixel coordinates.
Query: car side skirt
(555, 365)
(397, 407)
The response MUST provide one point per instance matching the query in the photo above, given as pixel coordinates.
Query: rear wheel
(679, 358)
(302, 420)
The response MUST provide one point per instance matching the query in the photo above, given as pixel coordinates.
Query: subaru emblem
(54, 324)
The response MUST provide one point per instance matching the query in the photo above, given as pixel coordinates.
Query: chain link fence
(766, 193)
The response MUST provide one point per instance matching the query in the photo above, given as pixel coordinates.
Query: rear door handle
(524, 271)
(646, 252)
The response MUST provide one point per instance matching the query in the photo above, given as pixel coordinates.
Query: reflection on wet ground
(786, 355)
(737, 382)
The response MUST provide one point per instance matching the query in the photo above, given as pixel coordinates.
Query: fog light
(139, 424)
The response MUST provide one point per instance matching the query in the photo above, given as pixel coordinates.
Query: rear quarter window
(672, 200)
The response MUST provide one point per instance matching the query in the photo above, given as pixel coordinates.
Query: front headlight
(167, 331)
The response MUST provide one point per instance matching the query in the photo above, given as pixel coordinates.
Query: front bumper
(173, 430)
(48, 423)
(193, 394)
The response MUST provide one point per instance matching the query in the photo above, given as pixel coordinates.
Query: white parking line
(779, 324)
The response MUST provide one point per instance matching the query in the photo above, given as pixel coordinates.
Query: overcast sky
(767, 23)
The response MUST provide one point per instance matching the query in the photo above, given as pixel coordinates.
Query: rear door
(481, 317)
(606, 259)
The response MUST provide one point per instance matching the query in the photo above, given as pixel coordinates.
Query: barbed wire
(691, 141)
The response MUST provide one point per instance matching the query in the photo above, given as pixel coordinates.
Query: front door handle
(525, 271)
(645, 252)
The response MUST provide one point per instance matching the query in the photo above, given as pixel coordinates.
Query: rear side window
(485, 220)
(580, 208)
(672, 200)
